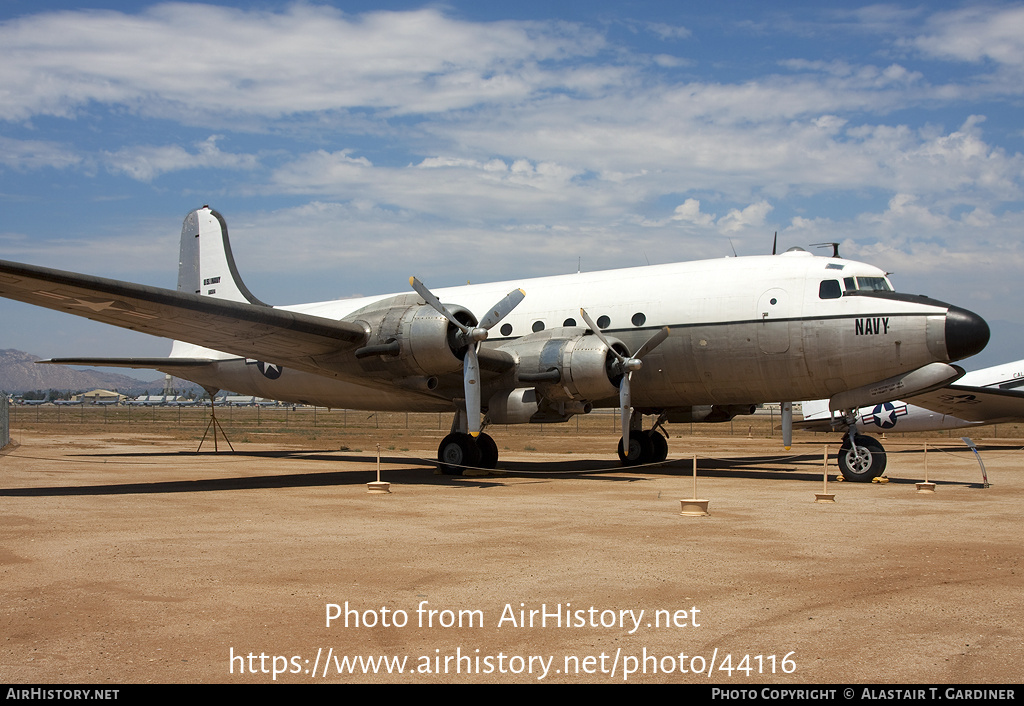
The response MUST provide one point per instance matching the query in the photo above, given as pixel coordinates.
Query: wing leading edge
(243, 329)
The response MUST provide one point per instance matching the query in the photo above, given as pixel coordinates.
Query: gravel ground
(125, 557)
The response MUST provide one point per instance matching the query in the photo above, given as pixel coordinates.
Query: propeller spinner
(471, 336)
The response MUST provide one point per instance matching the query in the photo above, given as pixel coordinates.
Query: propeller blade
(652, 343)
(436, 304)
(471, 336)
(471, 378)
(627, 411)
(597, 332)
(627, 366)
(500, 310)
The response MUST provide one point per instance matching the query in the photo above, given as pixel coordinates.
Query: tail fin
(206, 265)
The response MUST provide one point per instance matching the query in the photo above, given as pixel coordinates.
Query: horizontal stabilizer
(144, 363)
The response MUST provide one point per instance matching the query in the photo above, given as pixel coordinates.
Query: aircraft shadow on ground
(419, 471)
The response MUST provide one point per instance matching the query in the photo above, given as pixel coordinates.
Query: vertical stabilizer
(205, 264)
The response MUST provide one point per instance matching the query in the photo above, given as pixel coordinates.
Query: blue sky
(350, 145)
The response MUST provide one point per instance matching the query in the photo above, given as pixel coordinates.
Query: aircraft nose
(966, 333)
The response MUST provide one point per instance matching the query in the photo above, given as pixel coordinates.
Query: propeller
(626, 366)
(471, 336)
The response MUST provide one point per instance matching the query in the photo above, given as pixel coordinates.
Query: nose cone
(966, 333)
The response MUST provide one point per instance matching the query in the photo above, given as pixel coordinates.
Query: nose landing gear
(861, 458)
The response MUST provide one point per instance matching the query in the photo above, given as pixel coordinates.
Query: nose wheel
(862, 460)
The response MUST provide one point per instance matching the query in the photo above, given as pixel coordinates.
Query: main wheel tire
(659, 446)
(640, 450)
(456, 452)
(864, 465)
(488, 451)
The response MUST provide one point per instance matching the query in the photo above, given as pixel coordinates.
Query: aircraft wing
(246, 330)
(144, 363)
(974, 404)
(984, 405)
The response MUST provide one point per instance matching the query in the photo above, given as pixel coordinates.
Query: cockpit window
(829, 289)
(867, 284)
(873, 284)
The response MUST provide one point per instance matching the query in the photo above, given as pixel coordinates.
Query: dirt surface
(125, 557)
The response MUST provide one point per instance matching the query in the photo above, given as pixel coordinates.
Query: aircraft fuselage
(742, 331)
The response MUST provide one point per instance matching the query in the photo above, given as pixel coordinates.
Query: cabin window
(829, 289)
(569, 322)
(538, 326)
(638, 319)
(603, 322)
(506, 329)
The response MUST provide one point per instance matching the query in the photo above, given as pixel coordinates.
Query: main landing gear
(861, 458)
(649, 446)
(459, 451)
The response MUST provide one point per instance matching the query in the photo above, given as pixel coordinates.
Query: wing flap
(243, 329)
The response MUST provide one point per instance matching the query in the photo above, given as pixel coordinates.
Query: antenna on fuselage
(775, 242)
(835, 248)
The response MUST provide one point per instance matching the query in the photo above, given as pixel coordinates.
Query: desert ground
(130, 555)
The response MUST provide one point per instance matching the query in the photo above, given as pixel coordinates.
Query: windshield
(867, 284)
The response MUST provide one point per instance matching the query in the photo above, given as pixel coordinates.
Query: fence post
(5, 421)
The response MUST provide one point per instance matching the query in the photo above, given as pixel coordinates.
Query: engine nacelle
(408, 339)
(524, 405)
(565, 365)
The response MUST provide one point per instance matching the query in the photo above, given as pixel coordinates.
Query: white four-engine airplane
(691, 341)
(988, 396)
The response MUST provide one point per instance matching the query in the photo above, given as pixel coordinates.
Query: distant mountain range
(19, 373)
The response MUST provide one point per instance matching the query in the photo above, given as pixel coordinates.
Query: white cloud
(738, 220)
(304, 58)
(491, 190)
(36, 154)
(976, 33)
(689, 212)
(520, 145)
(144, 163)
(667, 31)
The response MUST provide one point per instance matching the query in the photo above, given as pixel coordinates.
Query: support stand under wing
(214, 425)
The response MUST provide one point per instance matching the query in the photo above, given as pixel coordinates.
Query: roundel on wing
(269, 370)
